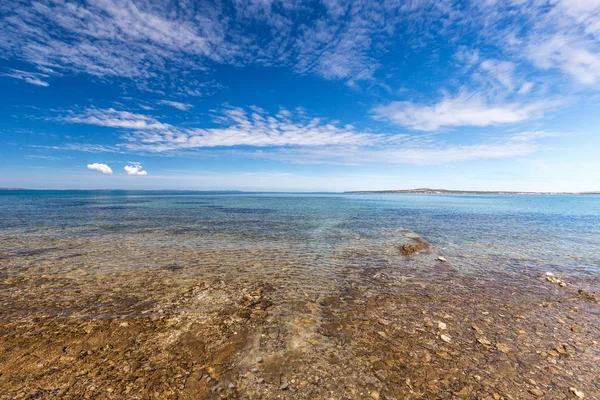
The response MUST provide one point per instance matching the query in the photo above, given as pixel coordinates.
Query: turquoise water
(475, 232)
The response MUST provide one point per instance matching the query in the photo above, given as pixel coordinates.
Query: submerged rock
(415, 247)
(552, 279)
(587, 295)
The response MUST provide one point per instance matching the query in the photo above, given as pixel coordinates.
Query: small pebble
(577, 393)
(446, 338)
(255, 370)
(260, 380)
(259, 359)
(442, 259)
(502, 347)
(536, 392)
(441, 326)
(284, 386)
(231, 385)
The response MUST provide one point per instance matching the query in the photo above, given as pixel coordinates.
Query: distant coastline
(447, 191)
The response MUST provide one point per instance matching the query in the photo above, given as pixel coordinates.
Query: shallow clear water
(311, 234)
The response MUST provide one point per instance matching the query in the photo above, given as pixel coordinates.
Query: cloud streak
(141, 40)
(466, 109)
(176, 104)
(34, 78)
(240, 128)
(296, 138)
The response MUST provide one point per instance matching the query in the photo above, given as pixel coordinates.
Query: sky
(289, 95)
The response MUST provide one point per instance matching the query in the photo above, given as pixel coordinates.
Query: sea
(307, 238)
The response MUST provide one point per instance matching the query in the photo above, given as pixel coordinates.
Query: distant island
(447, 191)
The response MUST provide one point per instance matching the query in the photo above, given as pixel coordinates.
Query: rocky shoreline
(423, 332)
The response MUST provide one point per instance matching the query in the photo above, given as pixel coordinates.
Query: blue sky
(300, 96)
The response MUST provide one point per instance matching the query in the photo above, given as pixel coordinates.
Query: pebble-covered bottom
(243, 323)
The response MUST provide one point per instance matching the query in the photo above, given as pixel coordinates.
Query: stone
(442, 259)
(536, 392)
(502, 347)
(441, 326)
(463, 393)
(375, 395)
(445, 338)
(231, 385)
(260, 380)
(259, 359)
(484, 341)
(284, 386)
(411, 248)
(587, 295)
(578, 393)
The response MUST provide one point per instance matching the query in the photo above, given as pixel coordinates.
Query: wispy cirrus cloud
(465, 109)
(114, 119)
(560, 35)
(176, 104)
(295, 137)
(35, 78)
(141, 40)
(405, 153)
(241, 127)
(345, 40)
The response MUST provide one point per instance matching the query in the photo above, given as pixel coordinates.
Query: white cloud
(105, 169)
(532, 135)
(559, 35)
(526, 88)
(240, 127)
(115, 119)
(501, 71)
(35, 78)
(135, 170)
(294, 137)
(572, 55)
(466, 109)
(176, 104)
(143, 39)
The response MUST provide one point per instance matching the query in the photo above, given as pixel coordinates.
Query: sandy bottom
(428, 332)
